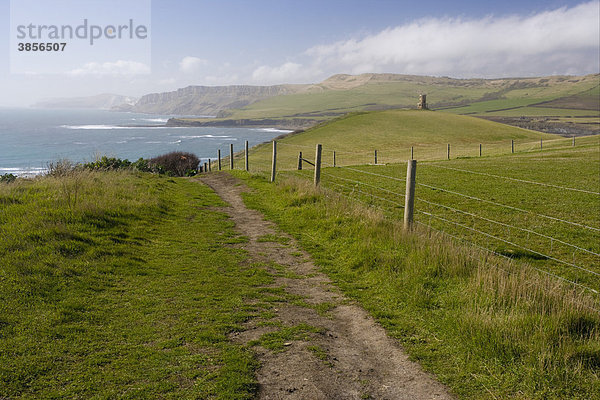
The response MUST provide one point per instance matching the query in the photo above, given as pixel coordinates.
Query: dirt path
(351, 357)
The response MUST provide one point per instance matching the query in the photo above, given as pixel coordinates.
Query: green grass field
(119, 285)
(531, 219)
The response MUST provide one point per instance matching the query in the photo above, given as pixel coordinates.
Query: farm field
(539, 207)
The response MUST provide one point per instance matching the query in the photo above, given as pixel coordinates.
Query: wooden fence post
(231, 156)
(375, 157)
(573, 140)
(246, 155)
(412, 153)
(274, 161)
(512, 146)
(300, 161)
(334, 158)
(318, 164)
(209, 166)
(479, 149)
(448, 151)
(541, 144)
(200, 168)
(246, 166)
(219, 157)
(409, 197)
(205, 167)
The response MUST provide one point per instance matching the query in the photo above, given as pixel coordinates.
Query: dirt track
(357, 359)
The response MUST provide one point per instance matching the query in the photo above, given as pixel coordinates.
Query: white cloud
(561, 41)
(119, 67)
(286, 72)
(191, 64)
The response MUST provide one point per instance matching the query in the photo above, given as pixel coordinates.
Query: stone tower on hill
(422, 102)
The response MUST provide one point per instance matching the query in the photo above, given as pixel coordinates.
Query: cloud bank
(561, 41)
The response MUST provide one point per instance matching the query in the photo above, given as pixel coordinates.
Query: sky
(264, 42)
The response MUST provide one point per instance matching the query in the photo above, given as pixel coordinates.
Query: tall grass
(487, 327)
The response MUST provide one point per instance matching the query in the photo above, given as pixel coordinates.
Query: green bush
(7, 178)
(107, 163)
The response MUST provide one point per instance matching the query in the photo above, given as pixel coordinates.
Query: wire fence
(543, 240)
(260, 156)
(585, 261)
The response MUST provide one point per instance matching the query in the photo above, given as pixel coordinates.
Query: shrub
(176, 163)
(62, 167)
(141, 165)
(106, 163)
(7, 178)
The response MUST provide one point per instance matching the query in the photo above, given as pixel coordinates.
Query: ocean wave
(108, 127)
(23, 172)
(163, 120)
(273, 130)
(96, 127)
(203, 136)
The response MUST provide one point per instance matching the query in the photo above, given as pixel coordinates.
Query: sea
(30, 138)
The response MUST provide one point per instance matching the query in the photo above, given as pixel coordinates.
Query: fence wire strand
(512, 179)
(508, 242)
(507, 206)
(508, 225)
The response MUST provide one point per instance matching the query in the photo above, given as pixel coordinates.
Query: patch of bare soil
(348, 356)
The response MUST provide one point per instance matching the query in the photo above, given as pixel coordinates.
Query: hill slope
(392, 133)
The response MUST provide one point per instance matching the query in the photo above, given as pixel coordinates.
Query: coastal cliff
(207, 100)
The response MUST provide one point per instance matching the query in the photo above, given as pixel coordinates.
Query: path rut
(356, 359)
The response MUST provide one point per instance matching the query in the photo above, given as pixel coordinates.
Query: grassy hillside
(581, 97)
(339, 95)
(392, 133)
(115, 285)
